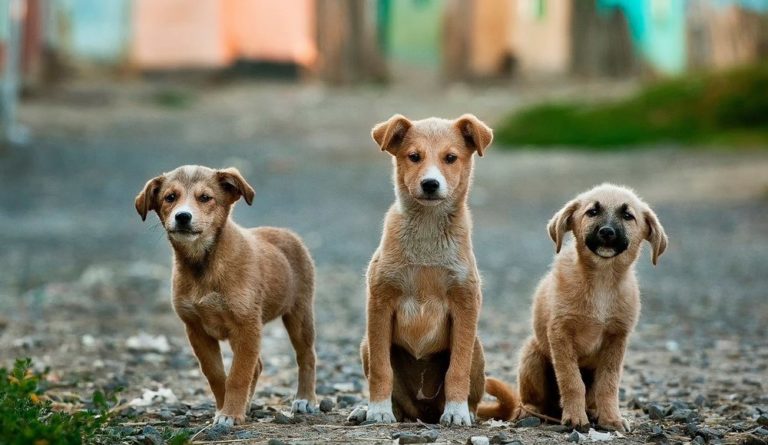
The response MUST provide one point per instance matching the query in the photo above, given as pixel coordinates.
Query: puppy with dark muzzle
(228, 281)
(583, 312)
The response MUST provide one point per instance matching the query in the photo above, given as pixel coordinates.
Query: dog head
(609, 222)
(432, 157)
(193, 202)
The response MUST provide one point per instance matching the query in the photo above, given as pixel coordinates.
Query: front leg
(379, 334)
(606, 386)
(208, 353)
(245, 349)
(465, 308)
(572, 390)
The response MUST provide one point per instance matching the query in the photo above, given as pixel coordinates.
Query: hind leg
(301, 330)
(476, 378)
(538, 390)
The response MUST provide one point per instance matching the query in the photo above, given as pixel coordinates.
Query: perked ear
(146, 200)
(561, 223)
(390, 134)
(476, 134)
(656, 235)
(234, 183)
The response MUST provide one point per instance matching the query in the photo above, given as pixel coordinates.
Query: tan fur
(228, 281)
(421, 348)
(584, 310)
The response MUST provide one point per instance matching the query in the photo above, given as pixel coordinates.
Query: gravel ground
(84, 288)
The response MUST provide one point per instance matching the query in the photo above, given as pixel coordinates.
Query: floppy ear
(390, 134)
(476, 134)
(234, 183)
(561, 223)
(146, 200)
(656, 235)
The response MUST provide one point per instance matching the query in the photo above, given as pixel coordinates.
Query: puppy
(228, 281)
(584, 310)
(421, 354)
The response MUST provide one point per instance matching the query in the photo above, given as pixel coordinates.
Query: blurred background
(669, 97)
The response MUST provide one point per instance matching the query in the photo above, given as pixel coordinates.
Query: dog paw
(380, 412)
(227, 420)
(456, 413)
(302, 406)
(577, 419)
(619, 424)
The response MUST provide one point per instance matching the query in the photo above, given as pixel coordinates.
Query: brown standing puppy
(421, 353)
(228, 281)
(584, 310)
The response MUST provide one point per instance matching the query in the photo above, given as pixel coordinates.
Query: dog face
(193, 202)
(432, 157)
(609, 222)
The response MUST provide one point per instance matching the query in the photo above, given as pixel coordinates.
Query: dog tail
(506, 404)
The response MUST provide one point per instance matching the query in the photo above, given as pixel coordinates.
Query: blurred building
(356, 40)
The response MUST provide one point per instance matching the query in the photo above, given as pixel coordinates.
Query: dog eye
(204, 198)
(450, 158)
(414, 157)
(170, 198)
(592, 212)
(628, 216)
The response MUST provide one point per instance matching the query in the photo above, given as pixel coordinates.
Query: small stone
(244, 434)
(528, 422)
(708, 433)
(657, 438)
(557, 428)
(165, 414)
(326, 405)
(501, 439)
(276, 442)
(700, 401)
(429, 436)
(282, 419)
(634, 403)
(761, 431)
(217, 431)
(478, 440)
(752, 440)
(655, 411)
(357, 416)
(347, 400)
(180, 421)
(684, 415)
(151, 436)
(762, 420)
(698, 440)
(574, 437)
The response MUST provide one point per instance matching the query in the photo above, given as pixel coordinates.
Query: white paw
(223, 419)
(380, 412)
(456, 413)
(302, 406)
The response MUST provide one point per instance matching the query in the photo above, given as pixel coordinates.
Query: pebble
(528, 422)
(276, 442)
(574, 437)
(478, 440)
(761, 431)
(347, 400)
(151, 436)
(282, 419)
(557, 428)
(762, 420)
(752, 440)
(358, 415)
(245, 434)
(504, 439)
(698, 440)
(655, 411)
(326, 405)
(216, 432)
(403, 437)
(180, 421)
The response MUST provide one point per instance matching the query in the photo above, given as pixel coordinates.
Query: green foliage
(26, 417)
(729, 107)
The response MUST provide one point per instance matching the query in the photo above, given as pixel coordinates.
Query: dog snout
(607, 233)
(430, 185)
(183, 218)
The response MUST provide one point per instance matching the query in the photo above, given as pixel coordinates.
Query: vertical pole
(13, 17)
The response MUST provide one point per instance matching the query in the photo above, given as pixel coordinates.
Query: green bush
(26, 417)
(729, 107)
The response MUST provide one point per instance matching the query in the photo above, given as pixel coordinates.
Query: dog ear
(475, 133)
(146, 200)
(390, 134)
(234, 183)
(561, 223)
(656, 235)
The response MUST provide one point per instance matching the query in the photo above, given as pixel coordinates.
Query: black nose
(430, 185)
(183, 217)
(607, 233)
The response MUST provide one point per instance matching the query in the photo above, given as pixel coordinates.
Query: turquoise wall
(96, 30)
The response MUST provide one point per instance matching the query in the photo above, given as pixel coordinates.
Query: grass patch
(27, 416)
(722, 108)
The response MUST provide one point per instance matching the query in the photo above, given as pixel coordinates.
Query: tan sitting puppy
(421, 353)
(584, 310)
(228, 281)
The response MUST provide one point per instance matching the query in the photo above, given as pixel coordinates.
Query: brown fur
(584, 310)
(421, 350)
(228, 281)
